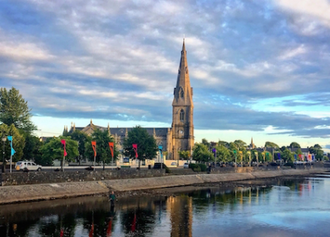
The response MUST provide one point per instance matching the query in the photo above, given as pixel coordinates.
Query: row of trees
(223, 151)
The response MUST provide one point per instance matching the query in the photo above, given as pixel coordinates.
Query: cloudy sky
(258, 68)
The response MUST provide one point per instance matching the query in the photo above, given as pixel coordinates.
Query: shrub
(197, 169)
(193, 166)
(167, 170)
(202, 167)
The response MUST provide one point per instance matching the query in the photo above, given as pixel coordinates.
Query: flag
(279, 156)
(300, 157)
(135, 150)
(111, 148)
(94, 147)
(10, 138)
(160, 148)
(309, 157)
(63, 142)
(295, 156)
(61, 233)
(313, 157)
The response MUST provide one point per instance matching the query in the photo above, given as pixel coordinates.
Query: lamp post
(4, 139)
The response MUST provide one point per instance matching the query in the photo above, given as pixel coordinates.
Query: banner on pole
(94, 147)
(160, 148)
(111, 146)
(10, 138)
(64, 144)
(135, 150)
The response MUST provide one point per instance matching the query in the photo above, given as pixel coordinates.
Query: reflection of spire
(181, 216)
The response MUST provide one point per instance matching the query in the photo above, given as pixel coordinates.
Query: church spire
(183, 91)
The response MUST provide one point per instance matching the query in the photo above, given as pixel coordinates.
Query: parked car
(185, 165)
(27, 166)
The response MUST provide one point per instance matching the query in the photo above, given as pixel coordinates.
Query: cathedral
(180, 136)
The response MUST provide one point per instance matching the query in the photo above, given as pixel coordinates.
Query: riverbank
(28, 193)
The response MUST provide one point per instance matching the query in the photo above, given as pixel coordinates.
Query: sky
(259, 69)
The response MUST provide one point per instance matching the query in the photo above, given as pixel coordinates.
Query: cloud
(119, 60)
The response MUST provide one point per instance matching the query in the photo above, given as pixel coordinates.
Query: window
(181, 115)
(181, 93)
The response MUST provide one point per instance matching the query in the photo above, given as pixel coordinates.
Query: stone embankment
(25, 193)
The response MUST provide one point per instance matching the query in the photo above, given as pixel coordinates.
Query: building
(180, 136)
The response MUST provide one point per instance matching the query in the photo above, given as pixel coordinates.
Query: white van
(27, 166)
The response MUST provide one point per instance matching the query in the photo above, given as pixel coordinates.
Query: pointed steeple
(109, 133)
(183, 90)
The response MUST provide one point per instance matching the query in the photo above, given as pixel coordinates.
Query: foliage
(223, 154)
(54, 150)
(240, 144)
(294, 145)
(82, 139)
(14, 110)
(103, 153)
(18, 142)
(201, 153)
(146, 144)
(203, 167)
(317, 151)
(287, 156)
(206, 143)
(298, 151)
(184, 155)
(32, 148)
(271, 145)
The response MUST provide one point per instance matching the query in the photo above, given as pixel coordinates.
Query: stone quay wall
(24, 178)
(27, 193)
(222, 170)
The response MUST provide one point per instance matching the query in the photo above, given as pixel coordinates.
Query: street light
(4, 139)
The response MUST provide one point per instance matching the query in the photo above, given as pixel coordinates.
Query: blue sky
(258, 68)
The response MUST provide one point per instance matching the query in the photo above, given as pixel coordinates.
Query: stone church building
(180, 136)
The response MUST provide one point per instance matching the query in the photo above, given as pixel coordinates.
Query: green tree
(146, 144)
(271, 145)
(18, 143)
(223, 154)
(184, 155)
(317, 151)
(14, 110)
(82, 139)
(206, 143)
(32, 148)
(53, 150)
(103, 153)
(240, 144)
(201, 153)
(294, 145)
(287, 156)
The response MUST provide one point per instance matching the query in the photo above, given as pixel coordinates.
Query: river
(295, 207)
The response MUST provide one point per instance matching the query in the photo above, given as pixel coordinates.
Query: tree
(146, 144)
(53, 150)
(287, 156)
(317, 151)
(184, 155)
(206, 143)
(240, 144)
(202, 153)
(32, 147)
(294, 145)
(271, 145)
(18, 143)
(223, 154)
(103, 153)
(82, 139)
(14, 110)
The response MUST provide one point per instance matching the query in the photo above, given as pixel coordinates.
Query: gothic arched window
(181, 93)
(181, 115)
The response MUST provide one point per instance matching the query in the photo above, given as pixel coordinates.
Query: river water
(298, 207)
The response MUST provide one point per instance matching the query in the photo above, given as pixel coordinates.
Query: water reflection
(287, 208)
